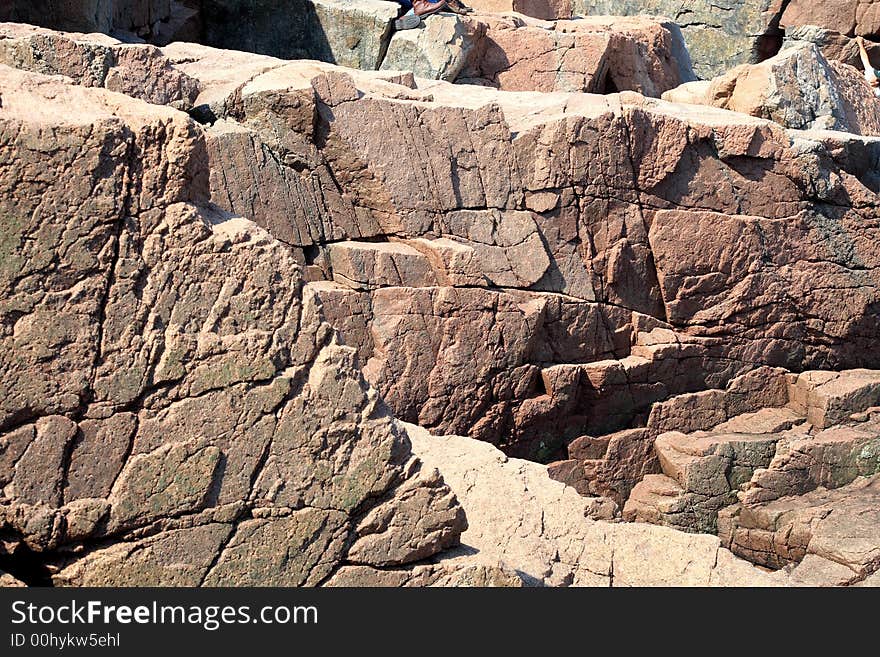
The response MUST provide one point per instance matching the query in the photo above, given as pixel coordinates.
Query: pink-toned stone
(544, 9)
(798, 88)
(595, 55)
(849, 17)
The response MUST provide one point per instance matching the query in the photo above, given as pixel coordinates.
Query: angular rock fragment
(366, 265)
(829, 398)
(173, 480)
(98, 455)
(507, 246)
(759, 456)
(839, 526)
(438, 50)
(38, 477)
(349, 33)
(299, 549)
(829, 459)
(594, 55)
(798, 88)
(422, 519)
(703, 473)
(833, 45)
(140, 71)
(614, 464)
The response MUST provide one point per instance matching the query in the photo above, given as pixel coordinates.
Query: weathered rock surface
(509, 52)
(231, 313)
(502, 239)
(829, 459)
(353, 33)
(718, 34)
(741, 466)
(141, 17)
(543, 9)
(439, 49)
(799, 88)
(594, 55)
(833, 45)
(173, 340)
(73, 16)
(613, 465)
(442, 574)
(835, 533)
(139, 71)
(520, 519)
(830, 398)
(847, 17)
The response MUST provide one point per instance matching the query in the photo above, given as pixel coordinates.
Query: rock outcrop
(799, 89)
(139, 71)
(832, 27)
(353, 33)
(822, 434)
(718, 35)
(833, 45)
(514, 215)
(594, 55)
(846, 17)
(512, 52)
(613, 465)
(215, 322)
(141, 17)
(165, 384)
(521, 520)
(831, 534)
(509, 52)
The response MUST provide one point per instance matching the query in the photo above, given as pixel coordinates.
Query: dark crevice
(204, 115)
(384, 44)
(19, 418)
(769, 44)
(311, 253)
(608, 86)
(540, 388)
(26, 566)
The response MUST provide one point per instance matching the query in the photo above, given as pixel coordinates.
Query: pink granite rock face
(171, 341)
(138, 71)
(543, 9)
(595, 55)
(517, 241)
(215, 324)
(832, 531)
(848, 17)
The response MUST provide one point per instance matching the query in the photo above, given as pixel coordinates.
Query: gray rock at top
(719, 34)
